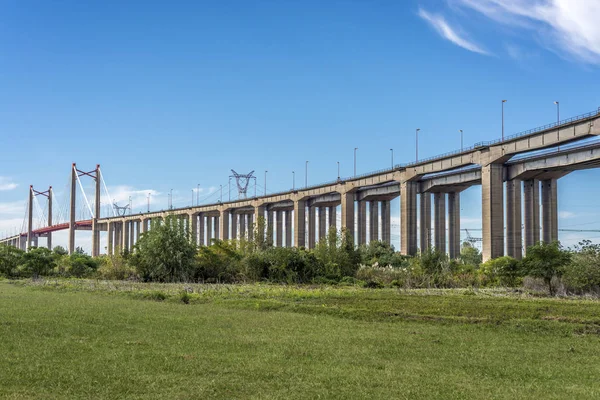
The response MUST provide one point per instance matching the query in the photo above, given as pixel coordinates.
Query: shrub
(501, 271)
(115, 267)
(10, 258)
(165, 253)
(220, 262)
(583, 273)
(385, 275)
(546, 261)
(37, 262)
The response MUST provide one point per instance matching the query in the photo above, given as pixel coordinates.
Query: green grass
(89, 339)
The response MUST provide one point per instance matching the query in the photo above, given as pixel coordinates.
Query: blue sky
(166, 96)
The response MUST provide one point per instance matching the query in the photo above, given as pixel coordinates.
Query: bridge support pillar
(262, 224)
(322, 223)
(454, 224)
(72, 210)
(439, 214)
(531, 213)
(224, 225)
(270, 227)
(332, 216)
(125, 235)
(348, 214)
(425, 222)
(234, 225)
(288, 228)
(514, 242)
(386, 222)
(362, 222)
(201, 230)
(251, 224)
(373, 221)
(243, 226)
(279, 228)
(408, 218)
(300, 223)
(132, 225)
(492, 199)
(549, 210)
(217, 226)
(109, 239)
(209, 230)
(312, 226)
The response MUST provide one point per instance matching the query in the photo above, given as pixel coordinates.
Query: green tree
(165, 253)
(502, 270)
(60, 251)
(470, 255)
(546, 261)
(583, 273)
(10, 258)
(37, 262)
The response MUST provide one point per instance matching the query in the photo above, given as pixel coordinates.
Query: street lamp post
(171, 206)
(266, 182)
(198, 194)
(306, 174)
(338, 164)
(148, 202)
(293, 180)
(461, 139)
(557, 122)
(356, 148)
(417, 144)
(392, 151)
(503, 101)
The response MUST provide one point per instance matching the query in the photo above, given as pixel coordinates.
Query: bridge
(522, 166)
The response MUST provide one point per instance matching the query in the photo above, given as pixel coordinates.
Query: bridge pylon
(94, 174)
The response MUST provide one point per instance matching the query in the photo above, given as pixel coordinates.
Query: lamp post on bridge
(417, 144)
(503, 101)
(392, 151)
(293, 180)
(306, 175)
(461, 139)
(557, 122)
(266, 182)
(198, 194)
(356, 148)
(338, 165)
(148, 201)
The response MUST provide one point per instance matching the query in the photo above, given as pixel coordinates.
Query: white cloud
(567, 27)
(6, 183)
(449, 33)
(566, 214)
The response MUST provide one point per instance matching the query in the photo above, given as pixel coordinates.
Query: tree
(165, 253)
(469, 254)
(10, 258)
(546, 261)
(37, 262)
(60, 251)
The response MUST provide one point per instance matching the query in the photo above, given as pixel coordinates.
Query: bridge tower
(94, 174)
(32, 194)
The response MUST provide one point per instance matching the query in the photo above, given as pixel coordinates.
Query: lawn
(88, 339)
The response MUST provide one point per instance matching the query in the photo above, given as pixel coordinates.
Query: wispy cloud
(7, 183)
(567, 27)
(566, 214)
(443, 28)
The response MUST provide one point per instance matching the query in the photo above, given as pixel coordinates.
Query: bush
(583, 273)
(10, 259)
(381, 253)
(383, 275)
(504, 271)
(546, 261)
(38, 261)
(220, 262)
(115, 267)
(165, 253)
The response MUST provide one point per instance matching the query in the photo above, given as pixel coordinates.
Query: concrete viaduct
(511, 173)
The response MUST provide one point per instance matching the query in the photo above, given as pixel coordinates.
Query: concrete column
(110, 233)
(72, 210)
(312, 222)
(531, 212)
(131, 235)
(243, 226)
(209, 229)
(362, 222)
(193, 218)
(234, 225)
(333, 216)
(373, 221)
(217, 226)
(270, 228)
(386, 222)
(322, 223)
(95, 228)
(549, 210)
(408, 218)
(454, 224)
(125, 235)
(348, 213)
(30, 218)
(138, 228)
(144, 226)
(439, 214)
(514, 242)
(250, 225)
(262, 223)
(224, 225)
(300, 223)
(279, 228)
(492, 199)
(201, 230)
(118, 244)
(288, 228)
(425, 221)
(49, 234)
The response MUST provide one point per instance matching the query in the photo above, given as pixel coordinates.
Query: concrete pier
(531, 212)
(300, 223)
(549, 210)
(322, 223)
(373, 221)
(425, 221)
(386, 222)
(408, 217)
(492, 207)
(312, 222)
(362, 222)
(279, 228)
(439, 214)
(514, 241)
(288, 228)
(454, 225)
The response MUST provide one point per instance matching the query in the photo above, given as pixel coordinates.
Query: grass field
(87, 339)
